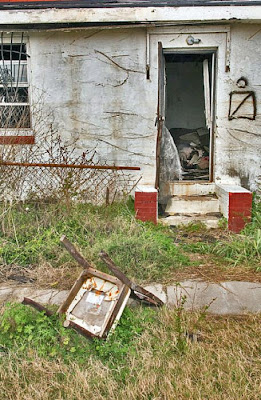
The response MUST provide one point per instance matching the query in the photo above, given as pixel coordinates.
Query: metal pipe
(79, 166)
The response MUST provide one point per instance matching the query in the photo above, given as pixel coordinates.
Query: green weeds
(244, 248)
(24, 330)
(31, 232)
(148, 356)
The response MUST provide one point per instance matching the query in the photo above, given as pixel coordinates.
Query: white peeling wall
(238, 141)
(95, 83)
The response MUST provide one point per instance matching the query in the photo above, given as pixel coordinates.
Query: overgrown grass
(30, 235)
(244, 248)
(148, 357)
(235, 249)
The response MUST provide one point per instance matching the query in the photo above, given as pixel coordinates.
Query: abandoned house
(172, 87)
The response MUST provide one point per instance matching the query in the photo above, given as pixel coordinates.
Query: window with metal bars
(14, 103)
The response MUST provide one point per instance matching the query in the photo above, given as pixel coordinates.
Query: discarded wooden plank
(37, 306)
(118, 310)
(76, 287)
(138, 290)
(84, 263)
(78, 328)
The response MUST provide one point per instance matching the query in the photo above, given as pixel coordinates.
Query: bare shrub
(71, 182)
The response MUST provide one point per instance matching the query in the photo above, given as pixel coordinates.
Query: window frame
(17, 135)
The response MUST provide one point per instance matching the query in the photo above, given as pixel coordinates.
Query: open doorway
(188, 103)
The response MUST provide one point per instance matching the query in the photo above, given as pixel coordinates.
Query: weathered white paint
(237, 143)
(94, 81)
(210, 221)
(145, 189)
(190, 189)
(134, 14)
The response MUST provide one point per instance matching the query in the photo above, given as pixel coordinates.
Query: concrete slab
(190, 189)
(5, 293)
(223, 298)
(245, 295)
(158, 290)
(192, 204)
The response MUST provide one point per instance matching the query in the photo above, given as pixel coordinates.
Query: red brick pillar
(235, 205)
(146, 204)
(240, 209)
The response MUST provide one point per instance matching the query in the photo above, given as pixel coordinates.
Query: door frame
(160, 119)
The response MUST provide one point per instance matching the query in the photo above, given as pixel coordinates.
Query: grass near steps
(30, 233)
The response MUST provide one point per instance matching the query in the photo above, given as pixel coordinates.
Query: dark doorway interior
(188, 111)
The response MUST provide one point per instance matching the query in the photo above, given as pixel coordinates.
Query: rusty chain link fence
(51, 171)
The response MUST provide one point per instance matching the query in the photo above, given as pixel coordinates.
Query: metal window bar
(11, 45)
(14, 107)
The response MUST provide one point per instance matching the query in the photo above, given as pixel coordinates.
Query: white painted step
(192, 204)
(209, 221)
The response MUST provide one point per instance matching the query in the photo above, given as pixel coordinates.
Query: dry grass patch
(209, 268)
(224, 365)
(43, 275)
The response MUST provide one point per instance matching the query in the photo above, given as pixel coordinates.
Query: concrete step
(189, 188)
(192, 204)
(210, 221)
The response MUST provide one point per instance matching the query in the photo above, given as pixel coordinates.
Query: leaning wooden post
(138, 290)
(74, 252)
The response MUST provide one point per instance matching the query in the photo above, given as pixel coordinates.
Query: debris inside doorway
(193, 151)
(97, 300)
